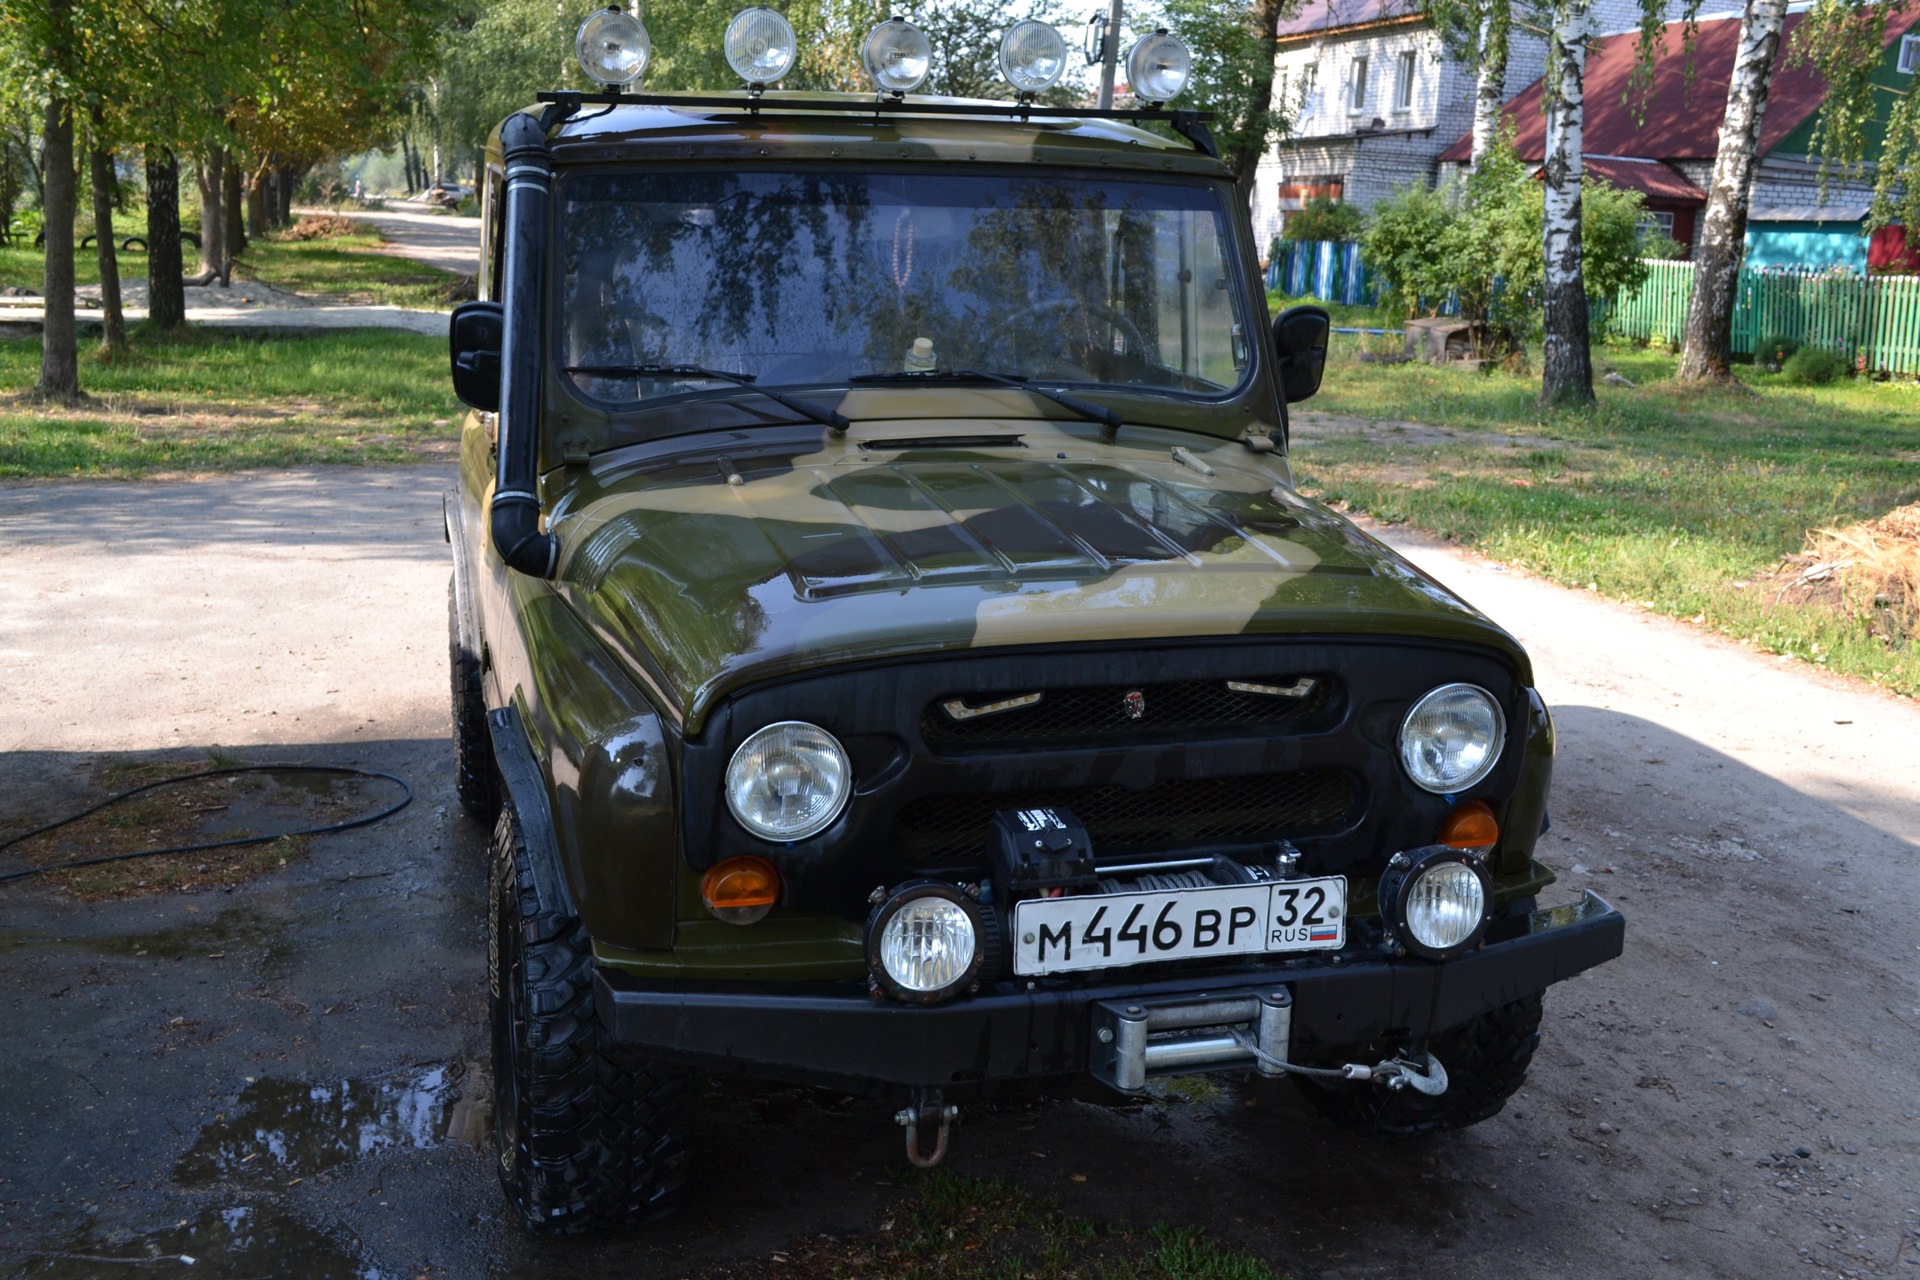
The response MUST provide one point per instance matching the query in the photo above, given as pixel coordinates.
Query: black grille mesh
(1099, 713)
(1170, 815)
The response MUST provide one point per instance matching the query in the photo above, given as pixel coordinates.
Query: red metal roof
(1680, 121)
(1328, 15)
(1657, 181)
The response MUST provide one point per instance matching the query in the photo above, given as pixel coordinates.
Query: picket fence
(1872, 320)
(1329, 270)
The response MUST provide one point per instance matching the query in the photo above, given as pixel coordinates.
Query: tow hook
(1427, 1077)
(927, 1107)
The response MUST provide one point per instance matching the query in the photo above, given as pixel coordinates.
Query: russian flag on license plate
(1324, 933)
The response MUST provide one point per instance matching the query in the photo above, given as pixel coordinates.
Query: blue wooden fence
(1329, 270)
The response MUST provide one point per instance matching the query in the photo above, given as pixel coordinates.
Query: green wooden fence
(1875, 319)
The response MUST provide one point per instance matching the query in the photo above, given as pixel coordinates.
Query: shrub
(1775, 350)
(1324, 219)
(320, 226)
(1814, 366)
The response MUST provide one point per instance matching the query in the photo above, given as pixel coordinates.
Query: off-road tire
(587, 1133)
(1486, 1061)
(473, 776)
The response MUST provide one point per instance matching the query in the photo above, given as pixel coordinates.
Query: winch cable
(1396, 1073)
(406, 798)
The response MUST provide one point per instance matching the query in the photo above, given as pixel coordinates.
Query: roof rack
(1191, 125)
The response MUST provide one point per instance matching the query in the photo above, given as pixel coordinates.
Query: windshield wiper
(1073, 404)
(837, 422)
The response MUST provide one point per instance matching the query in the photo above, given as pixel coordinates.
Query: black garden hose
(349, 770)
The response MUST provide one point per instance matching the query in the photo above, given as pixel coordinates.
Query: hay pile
(1871, 569)
(320, 226)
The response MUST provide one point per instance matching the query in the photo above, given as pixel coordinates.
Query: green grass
(221, 401)
(344, 269)
(341, 269)
(956, 1228)
(1344, 317)
(1677, 499)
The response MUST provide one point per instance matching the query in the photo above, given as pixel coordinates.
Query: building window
(1654, 224)
(1909, 55)
(1403, 82)
(1308, 77)
(1357, 91)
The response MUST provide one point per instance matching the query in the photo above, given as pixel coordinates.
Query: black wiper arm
(1073, 404)
(837, 422)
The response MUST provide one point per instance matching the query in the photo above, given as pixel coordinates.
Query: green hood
(722, 570)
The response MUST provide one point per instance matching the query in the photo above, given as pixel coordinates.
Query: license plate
(1101, 931)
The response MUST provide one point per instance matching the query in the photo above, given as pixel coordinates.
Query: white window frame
(1909, 54)
(1309, 81)
(1403, 81)
(1357, 87)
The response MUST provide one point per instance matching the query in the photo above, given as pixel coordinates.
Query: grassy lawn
(221, 401)
(344, 269)
(1680, 501)
(954, 1228)
(1344, 317)
(340, 268)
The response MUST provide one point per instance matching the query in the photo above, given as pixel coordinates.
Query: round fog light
(1033, 55)
(1439, 902)
(760, 46)
(897, 55)
(924, 942)
(613, 47)
(1158, 67)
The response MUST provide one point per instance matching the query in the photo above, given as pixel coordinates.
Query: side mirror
(474, 337)
(1300, 343)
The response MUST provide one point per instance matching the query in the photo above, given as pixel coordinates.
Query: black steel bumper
(849, 1039)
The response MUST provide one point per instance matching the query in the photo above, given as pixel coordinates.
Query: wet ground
(277, 1080)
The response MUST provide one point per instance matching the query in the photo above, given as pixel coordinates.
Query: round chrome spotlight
(1033, 56)
(1158, 67)
(898, 56)
(761, 46)
(613, 47)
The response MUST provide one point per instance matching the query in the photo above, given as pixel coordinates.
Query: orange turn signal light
(1470, 826)
(745, 881)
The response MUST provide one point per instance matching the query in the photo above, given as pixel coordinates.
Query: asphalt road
(264, 1079)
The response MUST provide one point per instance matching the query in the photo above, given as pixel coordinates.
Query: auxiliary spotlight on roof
(1158, 67)
(760, 46)
(1033, 56)
(613, 47)
(898, 56)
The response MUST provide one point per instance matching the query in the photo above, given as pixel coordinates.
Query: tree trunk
(256, 204)
(1567, 369)
(1244, 158)
(289, 179)
(59, 347)
(1708, 350)
(1490, 88)
(115, 337)
(213, 218)
(235, 183)
(166, 301)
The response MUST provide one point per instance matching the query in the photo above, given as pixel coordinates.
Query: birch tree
(1490, 84)
(1708, 350)
(1566, 374)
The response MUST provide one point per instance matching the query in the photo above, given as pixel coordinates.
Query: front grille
(1103, 713)
(952, 828)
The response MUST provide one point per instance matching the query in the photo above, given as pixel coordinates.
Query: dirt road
(262, 1079)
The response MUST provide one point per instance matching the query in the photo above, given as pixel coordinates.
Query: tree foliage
(1477, 240)
(1324, 218)
(1845, 41)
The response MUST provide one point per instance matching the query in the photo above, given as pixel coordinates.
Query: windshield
(801, 278)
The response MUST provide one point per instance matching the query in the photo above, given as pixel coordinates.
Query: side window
(493, 226)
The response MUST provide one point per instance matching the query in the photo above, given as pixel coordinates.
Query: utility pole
(1109, 55)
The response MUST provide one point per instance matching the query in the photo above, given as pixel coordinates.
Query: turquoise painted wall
(1806, 244)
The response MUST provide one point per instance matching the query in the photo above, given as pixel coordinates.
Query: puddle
(222, 1244)
(284, 1129)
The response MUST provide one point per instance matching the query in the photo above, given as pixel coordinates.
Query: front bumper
(1015, 1031)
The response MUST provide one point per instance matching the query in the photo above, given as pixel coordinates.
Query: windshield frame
(1246, 301)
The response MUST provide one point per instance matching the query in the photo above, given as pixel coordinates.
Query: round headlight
(923, 943)
(788, 781)
(898, 56)
(1158, 67)
(1452, 738)
(613, 47)
(760, 46)
(1033, 55)
(1442, 905)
